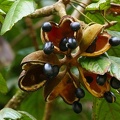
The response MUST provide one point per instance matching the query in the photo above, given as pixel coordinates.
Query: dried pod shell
(39, 57)
(32, 79)
(95, 89)
(89, 34)
(60, 31)
(62, 86)
(102, 45)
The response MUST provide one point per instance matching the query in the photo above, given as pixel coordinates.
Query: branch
(16, 100)
(58, 7)
(32, 32)
(48, 110)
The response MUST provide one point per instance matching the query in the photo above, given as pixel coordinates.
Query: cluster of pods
(51, 67)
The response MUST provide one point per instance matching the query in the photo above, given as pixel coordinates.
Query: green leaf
(5, 5)
(26, 116)
(100, 5)
(95, 17)
(1, 19)
(114, 33)
(8, 113)
(3, 86)
(18, 10)
(98, 65)
(115, 67)
(102, 110)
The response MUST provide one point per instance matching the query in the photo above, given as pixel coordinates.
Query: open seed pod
(93, 41)
(33, 76)
(60, 31)
(62, 86)
(91, 85)
(38, 57)
(32, 79)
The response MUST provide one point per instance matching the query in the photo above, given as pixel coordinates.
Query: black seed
(46, 27)
(72, 43)
(115, 83)
(91, 48)
(77, 107)
(110, 97)
(114, 41)
(55, 70)
(79, 93)
(48, 47)
(63, 44)
(75, 26)
(101, 79)
(89, 79)
(48, 70)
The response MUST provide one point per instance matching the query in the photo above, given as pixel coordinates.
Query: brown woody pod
(101, 44)
(60, 31)
(32, 77)
(95, 89)
(62, 86)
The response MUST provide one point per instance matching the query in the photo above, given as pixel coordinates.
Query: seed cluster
(69, 40)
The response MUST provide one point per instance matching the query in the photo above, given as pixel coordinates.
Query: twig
(48, 110)
(32, 32)
(58, 7)
(16, 100)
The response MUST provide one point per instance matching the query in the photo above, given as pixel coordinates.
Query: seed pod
(62, 85)
(110, 97)
(62, 30)
(102, 42)
(95, 89)
(32, 77)
(38, 57)
(115, 83)
(77, 107)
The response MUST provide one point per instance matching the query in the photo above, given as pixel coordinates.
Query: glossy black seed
(101, 79)
(75, 26)
(55, 70)
(114, 41)
(79, 93)
(77, 107)
(63, 44)
(48, 70)
(48, 47)
(89, 79)
(115, 83)
(109, 97)
(72, 43)
(46, 27)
